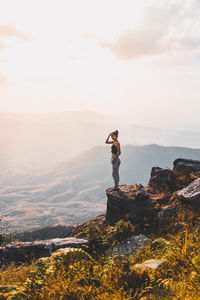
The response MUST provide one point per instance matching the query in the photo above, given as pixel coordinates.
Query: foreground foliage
(76, 274)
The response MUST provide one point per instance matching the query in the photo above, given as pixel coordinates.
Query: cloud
(73, 57)
(3, 80)
(90, 36)
(3, 46)
(165, 27)
(136, 43)
(11, 31)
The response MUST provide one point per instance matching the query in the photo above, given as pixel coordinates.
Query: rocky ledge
(177, 178)
(25, 251)
(130, 202)
(169, 195)
(191, 194)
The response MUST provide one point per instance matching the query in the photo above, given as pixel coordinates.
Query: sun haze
(139, 58)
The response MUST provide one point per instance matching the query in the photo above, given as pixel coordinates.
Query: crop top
(114, 149)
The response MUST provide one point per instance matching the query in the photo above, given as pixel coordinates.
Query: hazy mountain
(74, 191)
(44, 139)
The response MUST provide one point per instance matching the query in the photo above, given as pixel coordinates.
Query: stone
(129, 246)
(25, 251)
(130, 202)
(191, 194)
(167, 211)
(189, 164)
(177, 178)
(161, 178)
(153, 264)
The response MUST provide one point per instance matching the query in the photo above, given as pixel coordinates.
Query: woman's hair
(115, 133)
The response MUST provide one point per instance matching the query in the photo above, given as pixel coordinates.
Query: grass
(79, 275)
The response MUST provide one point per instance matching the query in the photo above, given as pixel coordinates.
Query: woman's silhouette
(115, 160)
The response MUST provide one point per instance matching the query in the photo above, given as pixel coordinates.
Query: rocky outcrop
(188, 165)
(167, 211)
(191, 194)
(161, 178)
(25, 251)
(129, 246)
(130, 202)
(177, 178)
(175, 191)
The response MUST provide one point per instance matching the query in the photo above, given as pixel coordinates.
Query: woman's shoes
(116, 188)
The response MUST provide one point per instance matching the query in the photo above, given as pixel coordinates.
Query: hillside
(74, 191)
(146, 246)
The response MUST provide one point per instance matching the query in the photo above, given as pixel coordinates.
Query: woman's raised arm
(107, 140)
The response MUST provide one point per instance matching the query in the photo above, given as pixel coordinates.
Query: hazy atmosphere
(100, 149)
(73, 71)
(136, 58)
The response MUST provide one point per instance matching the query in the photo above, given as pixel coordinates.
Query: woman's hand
(109, 142)
(113, 160)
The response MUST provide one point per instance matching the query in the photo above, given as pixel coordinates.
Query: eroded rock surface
(129, 246)
(161, 178)
(186, 164)
(25, 251)
(131, 202)
(191, 194)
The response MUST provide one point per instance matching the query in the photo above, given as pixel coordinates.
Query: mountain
(74, 191)
(41, 140)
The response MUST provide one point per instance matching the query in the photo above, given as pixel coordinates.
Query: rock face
(161, 177)
(186, 164)
(129, 246)
(191, 194)
(172, 191)
(167, 211)
(177, 178)
(25, 251)
(131, 202)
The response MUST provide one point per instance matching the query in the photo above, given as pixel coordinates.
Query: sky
(136, 58)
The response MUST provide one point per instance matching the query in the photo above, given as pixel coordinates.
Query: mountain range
(74, 191)
(42, 140)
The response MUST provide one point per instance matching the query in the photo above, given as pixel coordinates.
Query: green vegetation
(102, 236)
(75, 274)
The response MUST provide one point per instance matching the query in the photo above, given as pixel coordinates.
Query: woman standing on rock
(115, 160)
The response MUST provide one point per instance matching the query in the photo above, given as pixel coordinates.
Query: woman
(115, 160)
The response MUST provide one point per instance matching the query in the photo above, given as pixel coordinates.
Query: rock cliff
(131, 202)
(167, 199)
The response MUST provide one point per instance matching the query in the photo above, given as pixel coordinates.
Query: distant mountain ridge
(41, 140)
(74, 191)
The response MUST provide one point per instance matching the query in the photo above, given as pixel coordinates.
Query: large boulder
(191, 194)
(183, 173)
(189, 165)
(25, 251)
(130, 202)
(161, 178)
(129, 246)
